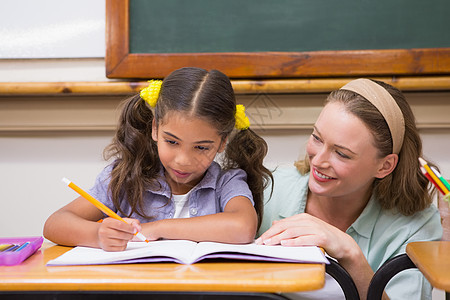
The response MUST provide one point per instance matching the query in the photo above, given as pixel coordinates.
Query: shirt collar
(296, 205)
(208, 181)
(365, 223)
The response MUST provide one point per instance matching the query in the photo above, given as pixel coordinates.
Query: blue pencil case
(11, 258)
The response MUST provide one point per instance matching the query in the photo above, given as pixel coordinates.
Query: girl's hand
(306, 230)
(114, 235)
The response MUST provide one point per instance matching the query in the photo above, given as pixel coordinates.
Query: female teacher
(359, 193)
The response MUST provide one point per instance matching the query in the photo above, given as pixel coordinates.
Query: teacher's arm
(306, 230)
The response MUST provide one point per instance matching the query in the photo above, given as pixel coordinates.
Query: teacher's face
(343, 158)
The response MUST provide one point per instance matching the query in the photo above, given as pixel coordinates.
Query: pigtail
(246, 150)
(136, 164)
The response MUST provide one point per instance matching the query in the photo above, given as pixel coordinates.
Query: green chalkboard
(278, 38)
(212, 26)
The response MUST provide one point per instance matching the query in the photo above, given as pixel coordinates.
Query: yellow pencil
(100, 205)
(5, 246)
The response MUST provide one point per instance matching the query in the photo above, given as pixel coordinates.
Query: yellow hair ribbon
(151, 93)
(242, 121)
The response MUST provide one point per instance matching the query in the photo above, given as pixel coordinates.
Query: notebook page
(307, 254)
(180, 250)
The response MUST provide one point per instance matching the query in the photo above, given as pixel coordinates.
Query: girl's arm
(236, 224)
(304, 229)
(76, 225)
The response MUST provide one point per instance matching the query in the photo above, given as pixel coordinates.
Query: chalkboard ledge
(270, 86)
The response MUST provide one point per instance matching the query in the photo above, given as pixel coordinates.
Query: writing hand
(114, 235)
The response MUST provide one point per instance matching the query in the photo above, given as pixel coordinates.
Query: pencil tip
(422, 161)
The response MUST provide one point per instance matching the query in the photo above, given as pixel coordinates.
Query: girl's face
(344, 161)
(186, 147)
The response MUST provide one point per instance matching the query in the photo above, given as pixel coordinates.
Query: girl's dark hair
(197, 93)
(406, 188)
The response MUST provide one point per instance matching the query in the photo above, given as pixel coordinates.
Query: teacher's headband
(386, 105)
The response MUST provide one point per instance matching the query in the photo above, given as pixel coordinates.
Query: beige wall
(45, 138)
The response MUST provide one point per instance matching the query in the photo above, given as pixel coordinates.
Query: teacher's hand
(306, 230)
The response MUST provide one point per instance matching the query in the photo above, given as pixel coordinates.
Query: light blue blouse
(381, 234)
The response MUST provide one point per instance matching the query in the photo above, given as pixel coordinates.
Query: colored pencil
(3, 247)
(424, 172)
(22, 246)
(424, 164)
(441, 178)
(11, 249)
(100, 205)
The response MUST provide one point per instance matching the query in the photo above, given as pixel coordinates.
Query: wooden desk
(249, 277)
(433, 260)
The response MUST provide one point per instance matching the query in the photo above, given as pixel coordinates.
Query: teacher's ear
(388, 165)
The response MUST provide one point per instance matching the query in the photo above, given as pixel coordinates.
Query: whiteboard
(52, 29)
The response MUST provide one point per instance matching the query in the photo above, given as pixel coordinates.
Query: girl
(164, 178)
(359, 193)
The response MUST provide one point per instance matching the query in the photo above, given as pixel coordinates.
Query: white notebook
(188, 252)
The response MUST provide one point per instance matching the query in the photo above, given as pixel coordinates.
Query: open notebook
(188, 252)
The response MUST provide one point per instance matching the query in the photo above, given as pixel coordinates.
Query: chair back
(402, 262)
